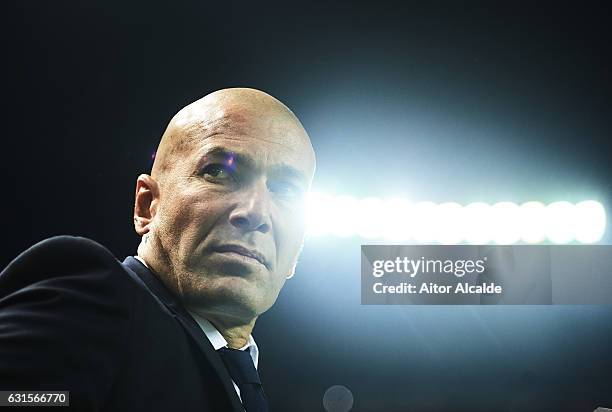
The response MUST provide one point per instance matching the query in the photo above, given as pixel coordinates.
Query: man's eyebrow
(290, 172)
(232, 158)
(227, 156)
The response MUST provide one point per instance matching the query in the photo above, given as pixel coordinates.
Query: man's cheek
(294, 232)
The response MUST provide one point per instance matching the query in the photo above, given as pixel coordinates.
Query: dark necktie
(240, 366)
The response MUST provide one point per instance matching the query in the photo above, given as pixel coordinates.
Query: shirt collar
(213, 335)
(141, 260)
(218, 341)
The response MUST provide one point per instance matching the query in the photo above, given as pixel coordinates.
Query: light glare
(505, 223)
(397, 219)
(345, 216)
(477, 223)
(560, 220)
(425, 217)
(590, 221)
(370, 222)
(532, 223)
(448, 228)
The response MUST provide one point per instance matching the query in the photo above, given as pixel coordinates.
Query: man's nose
(251, 211)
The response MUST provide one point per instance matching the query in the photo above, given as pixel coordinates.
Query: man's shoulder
(62, 247)
(58, 257)
(59, 299)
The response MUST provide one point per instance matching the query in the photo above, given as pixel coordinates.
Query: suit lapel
(189, 324)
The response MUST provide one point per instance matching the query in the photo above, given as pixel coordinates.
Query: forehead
(267, 139)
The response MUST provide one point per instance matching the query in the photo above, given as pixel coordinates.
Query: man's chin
(227, 300)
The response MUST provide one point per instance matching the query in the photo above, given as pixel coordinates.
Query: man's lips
(241, 250)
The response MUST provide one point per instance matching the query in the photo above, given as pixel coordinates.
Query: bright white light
(397, 218)
(590, 221)
(505, 223)
(448, 227)
(345, 216)
(318, 215)
(450, 223)
(560, 221)
(532, 222)
(425, 222)
(477, 223)
(370, 221)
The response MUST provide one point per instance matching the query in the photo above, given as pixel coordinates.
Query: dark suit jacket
(72, 317)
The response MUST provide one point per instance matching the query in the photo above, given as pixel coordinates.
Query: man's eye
(285, 189)
(217, 171)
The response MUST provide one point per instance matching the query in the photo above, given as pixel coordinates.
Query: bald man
(221, 223)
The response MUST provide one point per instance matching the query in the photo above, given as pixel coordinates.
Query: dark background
(439, 101)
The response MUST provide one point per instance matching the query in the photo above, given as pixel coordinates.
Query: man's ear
(145, 206)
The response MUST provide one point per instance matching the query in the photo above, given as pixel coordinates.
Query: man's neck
(236, 334)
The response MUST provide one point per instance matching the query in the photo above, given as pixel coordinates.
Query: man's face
(230, 215)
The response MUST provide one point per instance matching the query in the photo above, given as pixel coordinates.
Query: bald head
(234, 110)
(222, 213)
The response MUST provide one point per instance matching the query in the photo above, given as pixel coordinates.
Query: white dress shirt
(216, 338)
(218, 341)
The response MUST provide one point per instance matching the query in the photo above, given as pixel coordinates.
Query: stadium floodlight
(449, 228)
(590, 223)
(373, 225)
(425, 222)
(397, 219)
(560, 220)
(477, 223)
(318, 215)
(345, 216)
(532, 217)
(505, 223)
